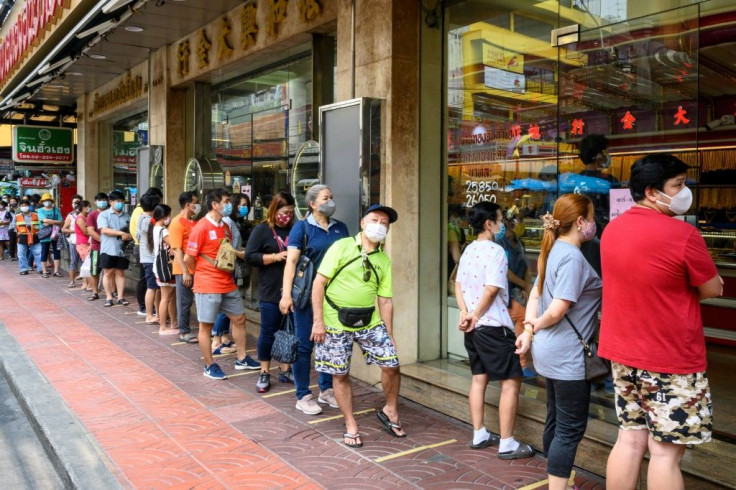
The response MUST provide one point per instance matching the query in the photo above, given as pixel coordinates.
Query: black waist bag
(348, 315)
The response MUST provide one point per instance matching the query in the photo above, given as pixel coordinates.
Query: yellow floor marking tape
(414, 450)
(570, 482)
(254, 371)
(335, 417)
(284, 392)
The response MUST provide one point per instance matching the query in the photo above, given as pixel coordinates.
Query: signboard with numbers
(42, 144)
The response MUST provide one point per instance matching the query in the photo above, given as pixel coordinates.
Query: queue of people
(662, 396)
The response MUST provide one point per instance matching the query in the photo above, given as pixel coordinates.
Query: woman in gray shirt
(567, 289)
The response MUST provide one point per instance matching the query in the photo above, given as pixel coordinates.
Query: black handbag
(350, 316)
(45, 232)
(162, 262)
(301, 289)
(595, 366)
(285, 345)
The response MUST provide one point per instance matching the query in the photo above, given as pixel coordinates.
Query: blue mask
(119, 206)
(101, 204)
(227, 210)
(500, 234)
(243, 211)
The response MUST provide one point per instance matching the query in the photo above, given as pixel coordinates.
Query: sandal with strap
(57, 274)
(93, 297)
(391, 427)
(44, 275)
(108, 303)
(122, 302)
(353, 437)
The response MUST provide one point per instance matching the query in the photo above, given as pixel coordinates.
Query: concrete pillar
(387, 67)
(87, 153)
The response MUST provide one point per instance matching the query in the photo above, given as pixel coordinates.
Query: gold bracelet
(273, 258)
(529, 329)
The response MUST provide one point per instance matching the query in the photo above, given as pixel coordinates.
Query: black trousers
(13, 244)
(140, 291)
(567, 418)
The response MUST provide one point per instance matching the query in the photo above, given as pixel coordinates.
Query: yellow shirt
(134, 216)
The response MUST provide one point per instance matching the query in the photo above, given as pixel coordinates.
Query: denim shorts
(210, 304)
(149, 276)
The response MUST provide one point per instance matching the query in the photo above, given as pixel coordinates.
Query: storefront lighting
(96, 56)
(39, 81)
(98, 29)
(74, 74)
(53, 66)
(134, 28)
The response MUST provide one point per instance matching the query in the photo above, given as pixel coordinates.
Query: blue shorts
(149, 276)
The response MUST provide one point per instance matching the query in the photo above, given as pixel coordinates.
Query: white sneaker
(308, 405)
(327, 397)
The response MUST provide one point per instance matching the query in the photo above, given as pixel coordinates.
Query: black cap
(390, 212)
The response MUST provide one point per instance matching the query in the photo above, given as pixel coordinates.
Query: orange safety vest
(22, 229)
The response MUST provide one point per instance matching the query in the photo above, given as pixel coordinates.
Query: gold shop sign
(252, 26)
(129, 88)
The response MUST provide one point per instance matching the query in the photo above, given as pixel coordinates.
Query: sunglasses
(367, 266)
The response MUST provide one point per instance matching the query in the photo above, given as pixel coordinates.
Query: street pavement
(23, 461)
(161, 424)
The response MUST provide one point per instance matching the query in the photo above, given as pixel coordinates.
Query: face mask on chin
(680, 202)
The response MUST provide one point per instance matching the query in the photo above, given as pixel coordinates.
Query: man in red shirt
(214, 290)
(656, 269)
(93, 231)
(179, 231)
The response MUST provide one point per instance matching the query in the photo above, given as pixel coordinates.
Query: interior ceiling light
(53, 66)
(114, 5)
(96, 56)
(74, 74)
(134, 28)
(56, 85)
(98, 29)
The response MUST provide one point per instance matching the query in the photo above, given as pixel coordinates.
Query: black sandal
(353, 438)
(57, 274)
(93, 297)
(122, 302)
(391, 427)
(108, 302)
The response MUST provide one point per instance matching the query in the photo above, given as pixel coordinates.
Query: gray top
(112, 245)
(236, 240)
(141, 231)
(556, 350)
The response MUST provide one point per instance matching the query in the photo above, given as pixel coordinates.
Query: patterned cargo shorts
(675, 408)
(333, 355)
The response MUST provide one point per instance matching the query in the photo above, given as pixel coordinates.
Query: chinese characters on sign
(224, 49)
(577, 126)
(182, 56)
(276, 15)
(203, 49)
(628, 120)
(248, 26)
(534, 132)
(680, 116)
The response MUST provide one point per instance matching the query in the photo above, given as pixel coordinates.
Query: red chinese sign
(515, 131)
(534, 132)
(680, 116)
(628, 120)
(577, 126)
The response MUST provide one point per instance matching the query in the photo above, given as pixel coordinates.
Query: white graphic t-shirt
(482, 264)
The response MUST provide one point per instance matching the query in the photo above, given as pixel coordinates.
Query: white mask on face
(680, 202)
(196, 208)
(375, 232)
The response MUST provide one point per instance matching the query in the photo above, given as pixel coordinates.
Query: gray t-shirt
(556, 350)
(112, 245)
(141, 231)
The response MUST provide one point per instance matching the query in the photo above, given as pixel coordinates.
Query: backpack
(226, 256)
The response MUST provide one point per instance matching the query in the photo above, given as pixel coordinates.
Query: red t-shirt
(92, 221)
(652, 265)
(205, 239)
(179, 230)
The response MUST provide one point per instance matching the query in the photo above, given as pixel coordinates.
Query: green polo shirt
(349, 289)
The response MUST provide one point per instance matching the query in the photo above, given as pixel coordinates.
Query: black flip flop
(122, 302)
(390, 426)
(108, 303)
(352, 437)
(491, 441)
(93, 297)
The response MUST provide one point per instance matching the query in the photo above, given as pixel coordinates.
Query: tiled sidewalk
(164, 425)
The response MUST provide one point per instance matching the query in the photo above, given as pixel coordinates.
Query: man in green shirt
(353, 273)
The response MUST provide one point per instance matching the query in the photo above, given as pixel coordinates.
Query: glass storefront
(127, 136)
(649, 76)
(258, 125)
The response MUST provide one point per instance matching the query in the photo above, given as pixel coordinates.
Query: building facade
(482, 100)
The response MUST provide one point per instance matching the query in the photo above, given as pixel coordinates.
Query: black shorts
(94, 257)
(113, 262)
(491, 352)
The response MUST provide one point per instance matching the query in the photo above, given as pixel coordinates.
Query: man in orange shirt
(214, 290)
(179, 231)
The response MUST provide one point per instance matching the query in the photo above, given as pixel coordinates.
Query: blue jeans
(222, 325)
(567, 418)
(303, 364)
(24, 251)
(271, 318)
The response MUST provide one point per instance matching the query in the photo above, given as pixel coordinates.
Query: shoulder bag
(301, 288)
(349, 316)
(162, 262)
(226, 256)
(595, 366)
(285, 343)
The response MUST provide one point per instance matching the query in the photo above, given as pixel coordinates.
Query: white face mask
(196, 208)
(24, 209)
(375, 232)
(680, 202)
(47, 204)
(167, 221)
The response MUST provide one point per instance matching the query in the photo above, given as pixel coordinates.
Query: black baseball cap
(390, 212)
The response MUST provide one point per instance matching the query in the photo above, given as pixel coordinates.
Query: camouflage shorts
(675, 408)
(333, 355)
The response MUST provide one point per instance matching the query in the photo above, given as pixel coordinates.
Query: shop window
(127, 135)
